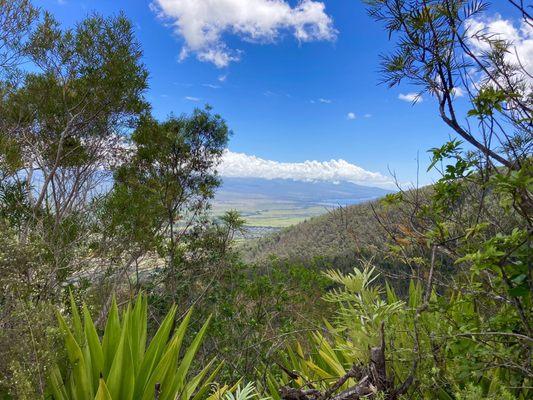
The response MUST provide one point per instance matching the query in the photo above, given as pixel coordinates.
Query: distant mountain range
(288, 190)
(271, 204)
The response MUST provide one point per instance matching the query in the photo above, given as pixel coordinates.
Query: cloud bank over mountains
(202, 24)
(241, 165)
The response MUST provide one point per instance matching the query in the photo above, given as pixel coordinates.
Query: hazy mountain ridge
(278, 203)
(280, 190)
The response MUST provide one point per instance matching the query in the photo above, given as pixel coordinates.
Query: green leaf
(121, 381)
(95, 348)
(134, 371)
(138, 323)
(205, 387)
(167, 361)
(519, 291)
(76, 320)
(56, 384)
(103, 392)
(189, 355)
(194, 382)
(111, 337)
(82, 387)
(155, 350)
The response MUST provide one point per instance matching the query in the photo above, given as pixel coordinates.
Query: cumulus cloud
(202, 24)
(458, 92)
(241, 165)
(350, 115)
(410, 97)
(519, 36)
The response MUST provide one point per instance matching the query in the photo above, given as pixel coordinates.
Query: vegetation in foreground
(439, 305)
(121, 365)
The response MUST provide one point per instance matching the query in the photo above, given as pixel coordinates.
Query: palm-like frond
(247, 392)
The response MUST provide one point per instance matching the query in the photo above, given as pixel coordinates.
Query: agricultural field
(277, 204)
(274, 215)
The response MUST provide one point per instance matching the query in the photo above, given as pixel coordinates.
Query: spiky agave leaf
(120, 366)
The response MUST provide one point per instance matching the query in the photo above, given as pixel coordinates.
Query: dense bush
(431, 342)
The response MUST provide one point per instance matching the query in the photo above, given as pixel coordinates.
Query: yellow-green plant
(120, 366)
(246, 392)
(432, 338)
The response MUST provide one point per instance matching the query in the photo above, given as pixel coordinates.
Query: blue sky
(288, 98)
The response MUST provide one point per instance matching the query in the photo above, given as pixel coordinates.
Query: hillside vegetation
(335, 237)
(344, 234)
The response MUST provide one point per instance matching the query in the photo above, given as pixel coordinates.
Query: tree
(17, 17)
(470, 234)
(69, 98)
(465, 242)
(161, 195)
(439, 49)
(66, 121)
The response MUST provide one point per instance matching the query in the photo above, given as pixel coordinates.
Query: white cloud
(240, 165)
(350, 115)
(222, 78)
(211, 86)
(368, 115)
(321, 100)
(202, 24)
(458, 92)
(410, 97)
(521, 37)
(498, 28)
(191, 98)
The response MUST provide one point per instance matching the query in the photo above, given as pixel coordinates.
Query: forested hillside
(334, 238)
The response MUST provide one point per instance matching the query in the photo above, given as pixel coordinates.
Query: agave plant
(121, 366)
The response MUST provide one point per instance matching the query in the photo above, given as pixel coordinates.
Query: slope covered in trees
(334, 238)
